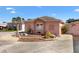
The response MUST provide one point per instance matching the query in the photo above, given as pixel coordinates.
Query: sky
(59, 12)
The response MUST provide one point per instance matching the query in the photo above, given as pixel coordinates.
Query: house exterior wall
(48, 26)
(29, 25)
(54, 27)
(74, 29)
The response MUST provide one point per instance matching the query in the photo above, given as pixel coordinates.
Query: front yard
(63, 44)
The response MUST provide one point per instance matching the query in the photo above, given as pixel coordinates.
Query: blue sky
(60, 12)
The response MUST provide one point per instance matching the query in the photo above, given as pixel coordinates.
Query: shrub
(48, 35)
(64, 29)
(28, 31)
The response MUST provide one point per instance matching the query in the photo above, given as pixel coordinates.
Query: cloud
(76, 10)
(39, 6)
(9, 8)
(53, 14)
(12, 12)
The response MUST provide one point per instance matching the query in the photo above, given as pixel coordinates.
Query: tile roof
(45, 18)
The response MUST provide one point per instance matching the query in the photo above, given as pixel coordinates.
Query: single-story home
(73, 28)
(2, 26)
(12, 25)
(44, 24)
(41, 25)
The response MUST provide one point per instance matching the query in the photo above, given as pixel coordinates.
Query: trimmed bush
(64, 29)
(28, 31)
(48, 35)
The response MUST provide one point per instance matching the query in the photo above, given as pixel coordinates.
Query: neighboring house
(13, 26)
(3, 26)
(73, 28)
(44, 24)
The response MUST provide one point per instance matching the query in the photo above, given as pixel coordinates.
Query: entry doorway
(39, 28)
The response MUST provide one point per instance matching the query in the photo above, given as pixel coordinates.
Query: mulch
(33, 38)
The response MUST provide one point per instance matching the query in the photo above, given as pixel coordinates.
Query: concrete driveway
(76, 44)
(63, 44)
(7, 36)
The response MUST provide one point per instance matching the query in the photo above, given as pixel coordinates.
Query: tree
(72, 20)
(17, 21)
(29, 19)
(4, 22)
(13, 20)
(23, 19)
(64, 29)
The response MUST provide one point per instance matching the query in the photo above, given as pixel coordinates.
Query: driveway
(76, 44)
(8, 36)
(63, 44)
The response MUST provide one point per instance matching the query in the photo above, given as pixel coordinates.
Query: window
(41, 24)
(37, 24)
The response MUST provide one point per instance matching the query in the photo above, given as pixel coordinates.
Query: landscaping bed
(33, 38)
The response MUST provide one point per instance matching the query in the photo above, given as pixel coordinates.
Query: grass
(7, 30)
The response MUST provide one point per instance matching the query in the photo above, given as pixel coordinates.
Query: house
(13, 26)
(44, 24)
(3, 26)
(73, 28)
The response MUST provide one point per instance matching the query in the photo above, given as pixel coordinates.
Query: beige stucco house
(73, 28)
(3, 26)
(44, 24)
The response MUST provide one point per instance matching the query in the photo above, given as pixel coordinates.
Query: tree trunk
(17, 29)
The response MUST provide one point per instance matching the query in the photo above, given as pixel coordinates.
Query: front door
(39, 28)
